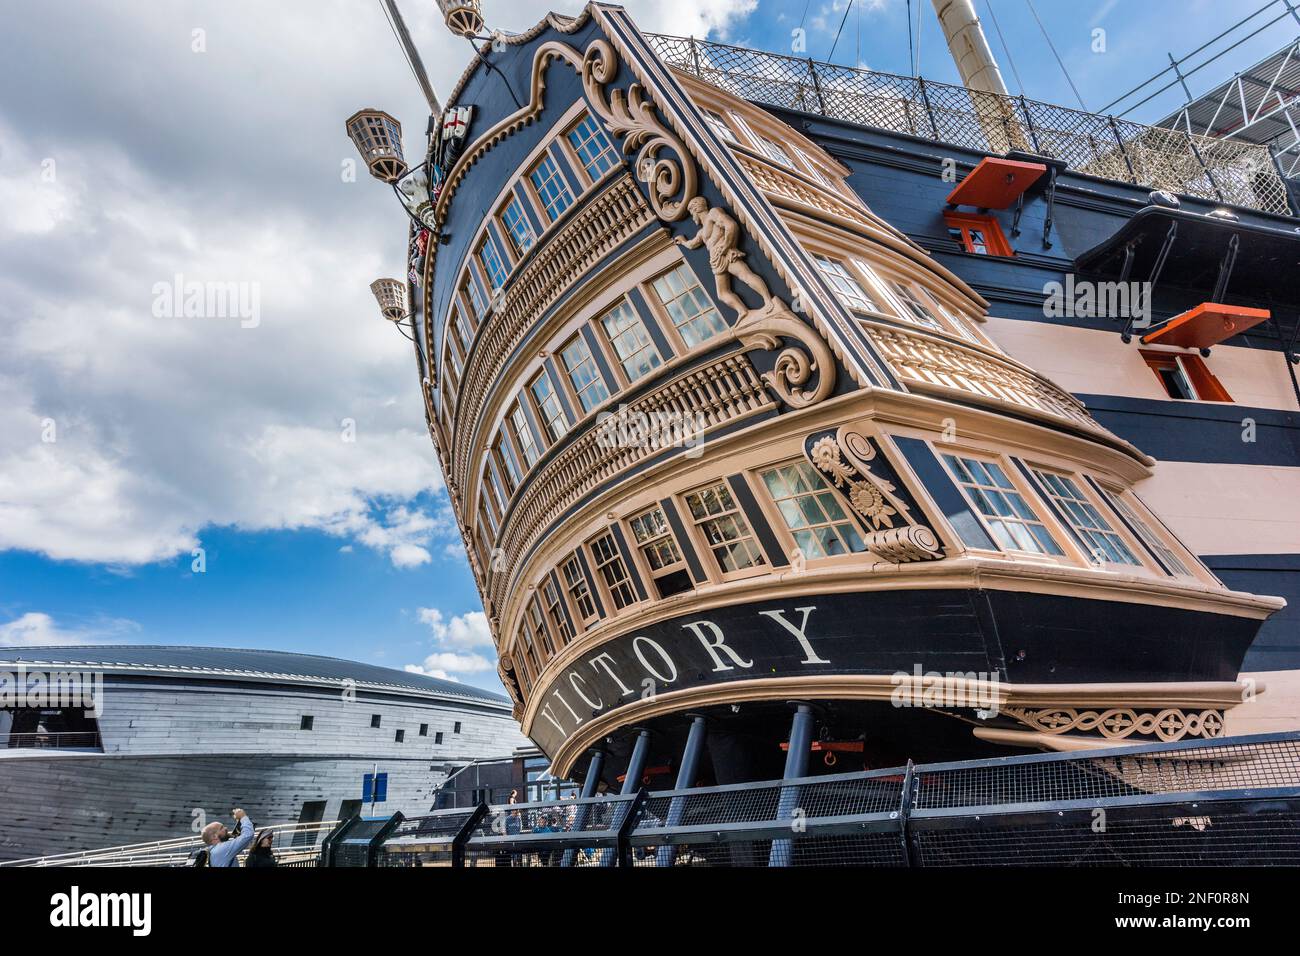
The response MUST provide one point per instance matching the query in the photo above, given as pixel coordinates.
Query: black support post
(589, 783)
(796, 765)
(686, 774)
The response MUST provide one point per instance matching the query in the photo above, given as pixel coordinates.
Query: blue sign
(374, 787)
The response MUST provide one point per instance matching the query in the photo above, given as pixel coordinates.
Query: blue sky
(140, 141)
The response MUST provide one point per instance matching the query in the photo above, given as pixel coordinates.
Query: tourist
(261, 854)
(224, 846)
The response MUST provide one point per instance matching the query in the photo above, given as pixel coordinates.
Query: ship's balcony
(87, 740)
(1220, 170)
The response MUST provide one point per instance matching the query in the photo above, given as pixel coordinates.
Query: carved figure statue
(720, 233)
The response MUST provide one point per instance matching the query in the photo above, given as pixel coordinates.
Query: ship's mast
(968, 46)
(980, 74)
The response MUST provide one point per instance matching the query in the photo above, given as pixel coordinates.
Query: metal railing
(1220, 170)
(180, 851)
(1229, 801)
(57, 740)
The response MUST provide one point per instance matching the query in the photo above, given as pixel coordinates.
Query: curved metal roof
(226, 662)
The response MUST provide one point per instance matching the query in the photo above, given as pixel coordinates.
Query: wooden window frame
(625, 381)
(1204, 384)
(737, 512)
(1077, 495)
(664, 314)
(995, 242)
(1028, 496)
(620, 593)
(779, 524)
(570, 587)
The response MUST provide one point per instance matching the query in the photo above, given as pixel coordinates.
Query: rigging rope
(1005, 49)
(1059, 62)
(840, 30)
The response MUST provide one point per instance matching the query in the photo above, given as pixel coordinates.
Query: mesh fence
(1219, 170)
(1216, 835)
(1208, 767)
(1231, 801)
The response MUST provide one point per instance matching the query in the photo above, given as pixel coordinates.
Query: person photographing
(224, 846)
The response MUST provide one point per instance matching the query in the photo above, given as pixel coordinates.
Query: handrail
(174, 851)
(1108, 147)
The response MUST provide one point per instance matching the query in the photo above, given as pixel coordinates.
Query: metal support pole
(589, 784)
(1127, 335)
(686, 774)
(796, 765)
(631, 781)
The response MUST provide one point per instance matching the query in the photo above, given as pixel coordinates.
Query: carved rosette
(854, 467)
(1121, 723)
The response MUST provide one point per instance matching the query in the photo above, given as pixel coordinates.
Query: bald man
(223, 846)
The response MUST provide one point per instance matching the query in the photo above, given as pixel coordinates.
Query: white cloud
(164, 427)
(37, 629)
(462, 631)
(445, 662)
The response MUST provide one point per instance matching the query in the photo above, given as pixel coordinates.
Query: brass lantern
(378, 138)
(463, 17)
(391, 296)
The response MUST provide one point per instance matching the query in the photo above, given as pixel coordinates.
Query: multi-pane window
(523, 435)
(575, 582)
(915, 308)
(810, 510)
(846, 285)
(719, 519)
(552, 189)
(719, 126)
(583, 374)
(518, 228)
(464, 331)
(488, 519)
(548, 404)
(631, 342)
(555, 611)
(688, 306)
(1013, 524)
(493, 266)
(452, 365)
(537, 623)
(592, 146)
(1149, 537)
(509, 466)
(476, 298)
(1103, 544)
(498, 494)
(814, 169)
(655, 539)
(612, 570)
(775, 152)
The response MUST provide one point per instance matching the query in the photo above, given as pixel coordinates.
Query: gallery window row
(571, 165)
(586, 368)
(757, 521)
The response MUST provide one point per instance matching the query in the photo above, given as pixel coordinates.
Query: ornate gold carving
(1119, 723)
(720, 234)
(913, 542)
(763, 329)
(631, 116)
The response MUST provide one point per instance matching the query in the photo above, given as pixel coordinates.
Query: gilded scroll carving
(848, 457)
(1119, 723)
(632, 118)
